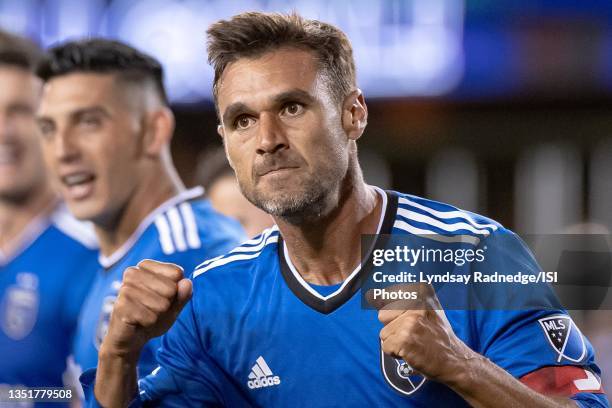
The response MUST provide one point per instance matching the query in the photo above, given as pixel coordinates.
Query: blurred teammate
(47, 257)
(278, 321)
(219, 181)
(106, 129)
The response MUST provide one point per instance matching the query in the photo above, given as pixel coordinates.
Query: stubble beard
(300, 205)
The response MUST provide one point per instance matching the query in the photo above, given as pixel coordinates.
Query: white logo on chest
(261, 376)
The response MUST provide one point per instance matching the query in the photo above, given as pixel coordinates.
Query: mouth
(78, 185)
(277, 171)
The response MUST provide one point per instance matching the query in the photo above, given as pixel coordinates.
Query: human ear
(159, 130)
(354, 114)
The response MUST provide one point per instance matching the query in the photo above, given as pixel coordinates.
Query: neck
(323, 250)
(150, 194)
(16, 215)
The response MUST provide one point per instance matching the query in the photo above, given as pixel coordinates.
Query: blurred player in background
(222, 189)
(279, 320)
(106, 128)
(47, 258)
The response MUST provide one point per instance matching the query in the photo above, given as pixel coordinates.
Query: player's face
(21, 168)
(91, 141)
(283, 133)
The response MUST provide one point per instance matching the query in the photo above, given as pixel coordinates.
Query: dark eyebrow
(76, 115)
(79, 113)
(293, 95)
(233, 110)
(298, 95)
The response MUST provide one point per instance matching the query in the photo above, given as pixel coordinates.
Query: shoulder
(247, 256)
(226, 282)
(82, 233)
(441, 222)
(194, 225)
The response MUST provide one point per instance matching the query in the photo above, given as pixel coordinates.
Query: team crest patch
(399, 375)
(564, 337)
(105, 313)
(103, 321)
(20, 307)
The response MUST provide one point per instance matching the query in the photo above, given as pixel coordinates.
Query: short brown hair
(252, 34)
(19, 52)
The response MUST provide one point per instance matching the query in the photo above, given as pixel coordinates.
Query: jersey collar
(329, 303)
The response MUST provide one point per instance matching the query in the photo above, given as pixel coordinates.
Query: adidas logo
(261, 376)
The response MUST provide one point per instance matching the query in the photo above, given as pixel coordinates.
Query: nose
(65, 147)
(271, 135)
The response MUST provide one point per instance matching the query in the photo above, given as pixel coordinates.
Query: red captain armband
(563, 381)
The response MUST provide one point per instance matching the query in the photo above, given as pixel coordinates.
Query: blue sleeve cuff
(88, 381)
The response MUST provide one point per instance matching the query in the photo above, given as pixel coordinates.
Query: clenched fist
(418, 332)
(150, 299)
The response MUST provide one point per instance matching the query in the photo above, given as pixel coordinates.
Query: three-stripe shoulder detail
(248, 250)
(445, 224)
(177, 229)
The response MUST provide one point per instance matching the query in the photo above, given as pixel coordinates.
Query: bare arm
(116, 379)
(484, 384)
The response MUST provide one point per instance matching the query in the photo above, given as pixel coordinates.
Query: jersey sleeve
(533, 335)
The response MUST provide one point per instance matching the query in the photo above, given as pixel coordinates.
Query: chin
(83, 211)
(294, 204)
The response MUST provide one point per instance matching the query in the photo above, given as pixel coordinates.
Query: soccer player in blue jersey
(279, 320)
(106, 127)
(46, 256)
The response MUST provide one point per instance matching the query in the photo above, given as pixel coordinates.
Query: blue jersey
(183, 230)
(256, 334)
(42, 286)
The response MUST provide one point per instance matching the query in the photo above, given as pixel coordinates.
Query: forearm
(484, 385)
(116, 379)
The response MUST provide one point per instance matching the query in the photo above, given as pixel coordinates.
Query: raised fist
(150, 299)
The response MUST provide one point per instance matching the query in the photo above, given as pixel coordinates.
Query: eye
(91, 121)
(293, 109)
(46, 129)
(244, 122)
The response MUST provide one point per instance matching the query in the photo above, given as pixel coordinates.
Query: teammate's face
(283, 133)
(21, 167)
(91, 140)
